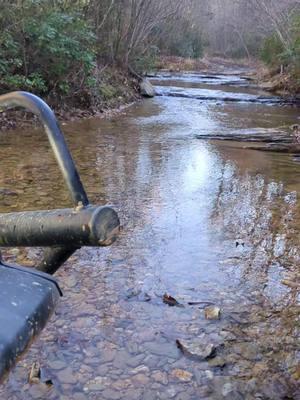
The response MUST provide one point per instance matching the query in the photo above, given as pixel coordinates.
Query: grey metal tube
(69, 228)
(56, 139)
(54, 257)
(63, 231)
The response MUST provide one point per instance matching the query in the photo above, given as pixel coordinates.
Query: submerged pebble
(212, 312)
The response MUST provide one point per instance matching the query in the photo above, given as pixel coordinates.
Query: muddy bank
(16, 119)
(213, 65)
(114, 95)
(284, 83)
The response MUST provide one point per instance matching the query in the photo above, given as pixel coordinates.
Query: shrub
(43, 49)
(272, 50)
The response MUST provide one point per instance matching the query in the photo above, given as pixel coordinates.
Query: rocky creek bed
(199, 297)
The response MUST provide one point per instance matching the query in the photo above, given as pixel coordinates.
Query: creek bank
(115, 92)
(13, 119)
(207, 64)
(281, 83)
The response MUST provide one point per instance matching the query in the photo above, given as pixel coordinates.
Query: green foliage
(107, 91)
(294, 55)
(146, 62)
(180, 38)
(43, 49)
(187, 45)
(34, 83)
(274, 53)
(272, 50)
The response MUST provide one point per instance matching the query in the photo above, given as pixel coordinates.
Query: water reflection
(204, 222)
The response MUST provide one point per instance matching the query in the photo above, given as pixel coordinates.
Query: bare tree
(278, 14)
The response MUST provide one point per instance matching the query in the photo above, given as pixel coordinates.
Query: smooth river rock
(212, 312)
(147, 89)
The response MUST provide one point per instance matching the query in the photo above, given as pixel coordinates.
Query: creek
(207, 222)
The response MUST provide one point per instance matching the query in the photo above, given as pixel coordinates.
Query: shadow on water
(204, 222)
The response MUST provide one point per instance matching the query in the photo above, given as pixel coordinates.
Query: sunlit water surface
(204, 222)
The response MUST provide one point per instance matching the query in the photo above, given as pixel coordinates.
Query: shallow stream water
(208, 223)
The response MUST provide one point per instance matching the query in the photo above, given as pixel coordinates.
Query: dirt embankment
(114, 93)
(279, 81)
(213, 65)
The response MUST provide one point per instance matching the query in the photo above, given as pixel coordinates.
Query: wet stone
(170, 392)
(162, 349)
(151, 361)
(259, 368)
(86, 368)
(39, 391)
(79, 396)
(150, 395)
(197, 349)
(93, 361)
(209, 374)
(183, 396)
(121, 384)
(102, 369)
(156, 386)
(228, 335)
(91, 351)
(212, 312)
(145, 336)
(121, 359)
(227, 389)
(135, 361)
(97, 384)
(110, 394)
(275, 388)
(217, 362)
(248, 351)
(66, 376)
(296, 373)
(140, 369)
(140, 379)
(204, 393)
(132, 394)
(70, 281)
(160, 377)
(132, 348)
(56, 364)
(200, 376)
(83, 323)
(182, 375)
(251, 385)
(107, 356)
